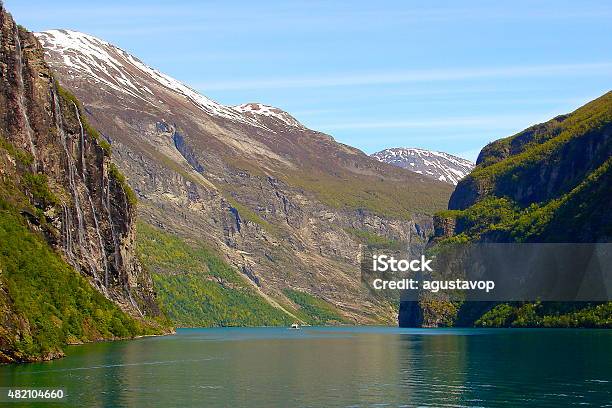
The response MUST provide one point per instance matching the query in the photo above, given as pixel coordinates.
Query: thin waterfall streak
(106, 205)
(93, 210)
(78, 115)
(67, 227)
(129, 292)
(22, 103)
(101, 241)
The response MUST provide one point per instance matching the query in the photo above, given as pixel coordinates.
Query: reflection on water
(333, 367)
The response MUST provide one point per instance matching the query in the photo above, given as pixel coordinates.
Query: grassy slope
(197, 288)
(385, 197)
(313, 310)
(502, 216)
(58, 304)
(498, 217)
(543, 142)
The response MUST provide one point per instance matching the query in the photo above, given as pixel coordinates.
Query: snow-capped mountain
(441, 166)
(99, 62)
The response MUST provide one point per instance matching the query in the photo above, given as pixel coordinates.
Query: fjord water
(333, 367)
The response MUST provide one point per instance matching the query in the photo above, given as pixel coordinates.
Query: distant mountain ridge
(438, 165)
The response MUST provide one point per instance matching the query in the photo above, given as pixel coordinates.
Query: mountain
(549, 183)
(438, 165)
(553, 179)
(276, 212)
(68, 269)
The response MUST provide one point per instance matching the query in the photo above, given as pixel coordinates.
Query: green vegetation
(57, 304)
(553, 136)
(195, 300)
(37, 185)
(439, 312)
(501, 215)
(23, 157)
(517, 203)
(114, 172)
(386, 197)
(70, 100)
(548, 315)
(197, 288)
(491, 213)
(373, 240)
(313, 310)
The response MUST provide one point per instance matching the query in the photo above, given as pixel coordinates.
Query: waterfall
(21, 98)
(86, 246)
(129, 292)
(78, 115)
(101, 241)
(67, 233)
(81, 235)
(88, 194)
(106, 205)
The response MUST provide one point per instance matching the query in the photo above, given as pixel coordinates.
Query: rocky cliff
(287, 207)
(57, 179)
(550, 183)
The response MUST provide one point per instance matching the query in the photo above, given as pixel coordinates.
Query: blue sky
(448, 76)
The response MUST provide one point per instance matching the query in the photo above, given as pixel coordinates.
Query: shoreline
(59, 355)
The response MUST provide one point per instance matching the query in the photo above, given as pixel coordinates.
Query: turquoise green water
(333, 367)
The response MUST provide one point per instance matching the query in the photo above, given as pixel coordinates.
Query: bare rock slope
(287, 206)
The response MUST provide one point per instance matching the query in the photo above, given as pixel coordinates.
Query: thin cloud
(435, 75)
(506, 121)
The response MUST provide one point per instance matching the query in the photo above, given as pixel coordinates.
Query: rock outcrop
(74, 195)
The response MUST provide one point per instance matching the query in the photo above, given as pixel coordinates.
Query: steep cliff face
(286, 206)
(56, 172)
(549, 183)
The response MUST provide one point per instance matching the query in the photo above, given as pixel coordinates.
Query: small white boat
(295, 326)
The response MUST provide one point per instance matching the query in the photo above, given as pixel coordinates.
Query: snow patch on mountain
(258, 110)
(104, 63)
(439, 165)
